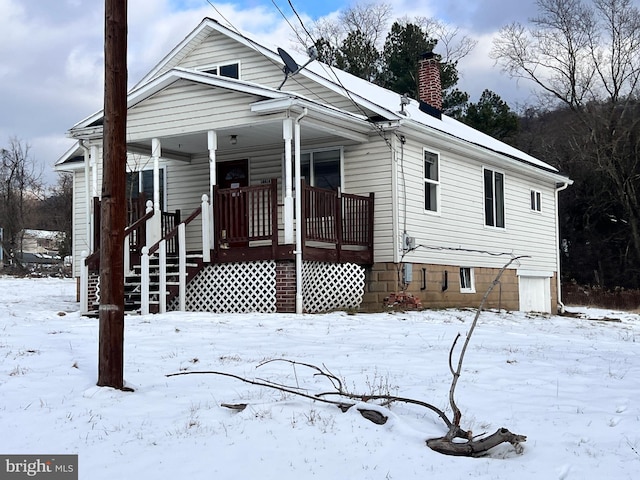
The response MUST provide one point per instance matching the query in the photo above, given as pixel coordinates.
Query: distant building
(41, 241)
(40, 249)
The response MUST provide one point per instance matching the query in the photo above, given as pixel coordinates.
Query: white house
(395, 196)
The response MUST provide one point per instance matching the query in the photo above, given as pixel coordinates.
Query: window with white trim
(493, 198)
(431, 181)
(140, 183)
(536, 201)
(231, 70)
(467, 282)
(321, 168)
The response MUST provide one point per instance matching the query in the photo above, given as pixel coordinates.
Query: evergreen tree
(359, 56)
(403, 48)
(492, 116)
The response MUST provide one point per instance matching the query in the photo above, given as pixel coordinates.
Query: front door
(233, 208)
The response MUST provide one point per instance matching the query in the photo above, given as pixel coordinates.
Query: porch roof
(272, 106)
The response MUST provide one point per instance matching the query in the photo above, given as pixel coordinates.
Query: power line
(288, 22)
(331, 74)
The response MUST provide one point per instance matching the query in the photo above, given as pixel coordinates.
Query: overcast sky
(51, 52)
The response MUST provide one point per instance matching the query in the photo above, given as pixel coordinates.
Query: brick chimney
(429, 85)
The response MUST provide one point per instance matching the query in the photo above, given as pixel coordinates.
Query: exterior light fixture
(233, 139)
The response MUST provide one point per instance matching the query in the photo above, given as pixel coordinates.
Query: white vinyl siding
(460, 225)
(79, 220)
(368, 168)
(219, 49)
(187, 107)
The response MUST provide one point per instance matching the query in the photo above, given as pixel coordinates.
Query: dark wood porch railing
(332, 217)
(170, 222)
(246, 214)
(336, 226)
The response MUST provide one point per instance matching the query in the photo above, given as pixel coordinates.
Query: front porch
(242, 226)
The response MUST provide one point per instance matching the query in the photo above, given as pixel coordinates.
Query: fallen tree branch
(388, 399)
(477, 448)
(470, 446)
(261, 384)
(457, 414)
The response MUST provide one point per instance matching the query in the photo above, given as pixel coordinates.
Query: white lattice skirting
(331, 286)
(233, 288)
(251, 287)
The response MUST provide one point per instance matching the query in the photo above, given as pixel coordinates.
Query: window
(493, 198)
(536, 201)
(431, 181)
(322, 168)
(231, 70)
(467, 284)
(140, 183)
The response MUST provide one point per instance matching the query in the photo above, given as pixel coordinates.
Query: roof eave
(484, 151)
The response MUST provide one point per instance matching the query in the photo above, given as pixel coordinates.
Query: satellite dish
(291, 67)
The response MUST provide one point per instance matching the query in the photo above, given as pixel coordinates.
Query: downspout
(395, 194)
(558, 280)
(87, 196)
(299, 193)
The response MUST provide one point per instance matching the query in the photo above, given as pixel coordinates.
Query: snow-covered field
(571, 385)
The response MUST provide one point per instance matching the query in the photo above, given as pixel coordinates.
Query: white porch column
(154, 225)
(212, 141)
(287, 133)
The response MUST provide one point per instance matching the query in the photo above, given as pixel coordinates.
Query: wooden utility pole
(113, 211)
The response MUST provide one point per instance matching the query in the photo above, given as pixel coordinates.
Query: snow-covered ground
(571, 385)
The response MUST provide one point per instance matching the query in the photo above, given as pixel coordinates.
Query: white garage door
(535, 294)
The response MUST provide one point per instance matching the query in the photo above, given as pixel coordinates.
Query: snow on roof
(366, 94)
(390, 101)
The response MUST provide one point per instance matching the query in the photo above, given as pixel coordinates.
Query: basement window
(467, 282)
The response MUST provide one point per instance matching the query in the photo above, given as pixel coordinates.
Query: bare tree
(371, 20)
(586, 56)
(453, 45)
(19, 185)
